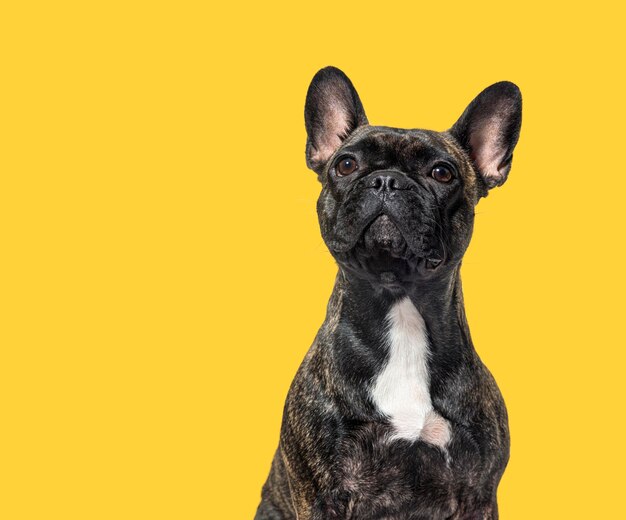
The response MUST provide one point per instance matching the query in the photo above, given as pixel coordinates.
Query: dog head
(397, 204)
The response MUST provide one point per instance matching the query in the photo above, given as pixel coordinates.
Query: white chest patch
(402, 389)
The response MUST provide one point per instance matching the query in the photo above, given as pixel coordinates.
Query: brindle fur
(335, 459)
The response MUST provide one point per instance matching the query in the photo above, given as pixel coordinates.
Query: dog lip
(349, 245)
(425, 264)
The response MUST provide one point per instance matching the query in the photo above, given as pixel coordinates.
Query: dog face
(397, 205)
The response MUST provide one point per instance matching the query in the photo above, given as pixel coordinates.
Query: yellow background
(163, 272)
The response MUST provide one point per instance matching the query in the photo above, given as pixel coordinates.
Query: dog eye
(346, 166)
(442, 173)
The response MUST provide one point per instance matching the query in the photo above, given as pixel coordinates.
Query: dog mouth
(383, 234)
(383, 249)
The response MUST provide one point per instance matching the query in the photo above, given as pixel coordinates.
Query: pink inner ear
(335, 130)
(487, 150)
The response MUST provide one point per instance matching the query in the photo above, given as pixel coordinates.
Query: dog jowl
(392, 414)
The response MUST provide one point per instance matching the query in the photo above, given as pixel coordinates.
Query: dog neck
(357, 326)
(439, 301)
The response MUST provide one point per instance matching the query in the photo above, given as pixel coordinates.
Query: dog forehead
(401, 142)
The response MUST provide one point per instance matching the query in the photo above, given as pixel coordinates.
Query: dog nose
(386, 182)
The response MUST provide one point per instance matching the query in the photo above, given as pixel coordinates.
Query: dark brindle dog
(392, 414)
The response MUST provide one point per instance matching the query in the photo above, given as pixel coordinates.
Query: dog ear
(488, 130)
(332, 112)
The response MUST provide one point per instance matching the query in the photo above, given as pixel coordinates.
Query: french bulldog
(392, 415)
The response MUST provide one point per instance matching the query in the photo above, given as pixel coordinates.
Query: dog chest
(401, 390)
